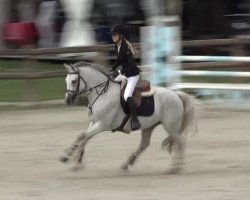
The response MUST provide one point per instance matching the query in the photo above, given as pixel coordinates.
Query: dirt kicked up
(217, 160)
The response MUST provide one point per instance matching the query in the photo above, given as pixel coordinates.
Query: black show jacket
(126, 60)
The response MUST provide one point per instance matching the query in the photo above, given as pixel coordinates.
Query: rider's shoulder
(127, 49)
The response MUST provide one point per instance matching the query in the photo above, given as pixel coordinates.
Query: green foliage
(30, 90)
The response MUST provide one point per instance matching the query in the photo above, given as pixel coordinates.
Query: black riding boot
(135, 124)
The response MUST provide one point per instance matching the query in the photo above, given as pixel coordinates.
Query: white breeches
(131, 83)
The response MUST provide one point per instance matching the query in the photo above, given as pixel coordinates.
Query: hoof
(176, 170)
(132, 159)
(170, 148)
(168, 144)
(124, 167)
(64, 159)
(76, 168)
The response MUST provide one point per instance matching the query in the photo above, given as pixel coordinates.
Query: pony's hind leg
(175, 142)
(145, 141)
(168, 144)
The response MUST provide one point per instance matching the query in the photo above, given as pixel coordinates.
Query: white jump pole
(212, 58)
(159, 43)
(212, 86)
(213, 73)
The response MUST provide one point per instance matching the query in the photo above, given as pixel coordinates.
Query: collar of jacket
(123, 46)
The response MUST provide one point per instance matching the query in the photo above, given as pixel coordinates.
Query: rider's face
(115, 37)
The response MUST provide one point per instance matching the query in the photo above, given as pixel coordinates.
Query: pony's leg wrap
(91, 132)
(71, 150)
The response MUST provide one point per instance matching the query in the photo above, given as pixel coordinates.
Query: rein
(105, 88)
(104, 84)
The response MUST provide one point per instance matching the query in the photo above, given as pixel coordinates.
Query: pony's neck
(92, 78)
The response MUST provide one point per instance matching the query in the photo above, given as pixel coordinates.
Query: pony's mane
(99, 68)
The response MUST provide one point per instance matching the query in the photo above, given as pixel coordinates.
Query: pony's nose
(67, 100)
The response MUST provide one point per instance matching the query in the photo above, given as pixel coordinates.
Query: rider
(125, 53)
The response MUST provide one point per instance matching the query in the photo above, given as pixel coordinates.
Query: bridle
(77, 92)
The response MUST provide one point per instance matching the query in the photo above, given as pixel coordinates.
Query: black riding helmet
(119, 29)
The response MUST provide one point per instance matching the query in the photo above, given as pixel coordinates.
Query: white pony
(174, 110)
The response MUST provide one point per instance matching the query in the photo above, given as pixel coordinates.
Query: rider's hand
(110, 70)
(115, 73)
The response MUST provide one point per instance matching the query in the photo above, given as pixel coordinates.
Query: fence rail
(53, 51)
(33, 53)
(33, 75)
(108, 47)
(216, 42)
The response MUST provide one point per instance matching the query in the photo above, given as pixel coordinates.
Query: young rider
(125, 53)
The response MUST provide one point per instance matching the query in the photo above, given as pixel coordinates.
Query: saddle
(143, 98)
(142, 89)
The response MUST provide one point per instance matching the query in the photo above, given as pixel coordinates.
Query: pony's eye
(74, 82)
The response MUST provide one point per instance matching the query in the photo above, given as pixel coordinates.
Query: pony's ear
(71, 68)
(75, 69)
(67, 67)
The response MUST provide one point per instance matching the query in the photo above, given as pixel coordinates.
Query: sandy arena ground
(217, 160)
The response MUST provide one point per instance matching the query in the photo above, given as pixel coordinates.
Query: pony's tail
(189, 120)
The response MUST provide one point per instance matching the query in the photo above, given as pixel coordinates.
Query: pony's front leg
(70, 151)
(92, 131)
(145, 141)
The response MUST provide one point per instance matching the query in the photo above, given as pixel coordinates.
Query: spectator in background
(107, 13)
(26, 10)
(77, 30)
(20, 31)
(59, 20)
(44, 22)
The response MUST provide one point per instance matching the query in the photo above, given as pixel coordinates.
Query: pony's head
(75, 84)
